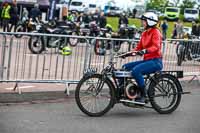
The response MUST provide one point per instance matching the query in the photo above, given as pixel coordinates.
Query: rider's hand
(141, 52)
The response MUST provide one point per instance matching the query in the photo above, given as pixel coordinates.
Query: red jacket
(151, 40)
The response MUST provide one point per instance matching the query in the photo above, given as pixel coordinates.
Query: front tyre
(19, 28)
(99, 47)
(73, 41)
(165, 93)
(94, 95)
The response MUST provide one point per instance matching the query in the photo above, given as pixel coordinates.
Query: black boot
(141, 99)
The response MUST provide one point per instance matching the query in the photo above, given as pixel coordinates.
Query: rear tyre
(117, 46)
(35, 45)
(165, 93)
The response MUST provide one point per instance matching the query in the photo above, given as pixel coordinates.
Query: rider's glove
(141, 52)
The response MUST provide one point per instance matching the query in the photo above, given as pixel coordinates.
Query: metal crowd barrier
(18, 64)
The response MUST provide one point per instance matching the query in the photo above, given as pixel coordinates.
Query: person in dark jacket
(123, 19)
(14, 15)
(87, 18)
(134, 12)
(35, 13)
(102, 20)
(5, 15)
(194, 29)
(96, 16)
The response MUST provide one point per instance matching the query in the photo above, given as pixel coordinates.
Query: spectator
(96, 16)
(14, 15)
(198, 30)
(164, 28)
(1, 8)
(5, 15)
(179, 28)
(194, 29)
(24, 15)
(35, 13)
(64, 12)
(87, 18)
(134, 12)
(123, 20)
(174, 33)
(80, 18)
(102, 20)
(70, 17)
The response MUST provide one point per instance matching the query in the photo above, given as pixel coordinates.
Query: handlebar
(129, 53)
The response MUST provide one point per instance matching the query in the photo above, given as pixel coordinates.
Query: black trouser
(6, 25)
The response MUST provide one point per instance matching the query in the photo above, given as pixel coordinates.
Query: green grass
(114, 22)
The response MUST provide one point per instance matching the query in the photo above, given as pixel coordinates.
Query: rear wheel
(35, 45)
(165, 93)
(94, 96)
(117, 45)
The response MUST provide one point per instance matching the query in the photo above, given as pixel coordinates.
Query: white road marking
(22, 87)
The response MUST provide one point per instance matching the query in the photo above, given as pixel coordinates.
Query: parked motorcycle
(100, 45)
(188, 50)
(37, 44)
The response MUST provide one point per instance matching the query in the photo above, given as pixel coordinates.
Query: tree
(156, 4)
(175, 2)
(187, 4)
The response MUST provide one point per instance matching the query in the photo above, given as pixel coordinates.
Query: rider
(149, 46)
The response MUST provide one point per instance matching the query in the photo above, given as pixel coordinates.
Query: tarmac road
(63, 116)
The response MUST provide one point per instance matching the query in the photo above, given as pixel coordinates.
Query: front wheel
(94, 95)
(165, 93)
(73, 41)
(19, 28)
(99, 47)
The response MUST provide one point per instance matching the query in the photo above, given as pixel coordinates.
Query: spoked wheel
(72, 40)
(19, 28)
(117, 46)
(94, 96)
(35, 45)
(165, 94)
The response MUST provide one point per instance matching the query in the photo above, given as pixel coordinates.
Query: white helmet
(151, 18)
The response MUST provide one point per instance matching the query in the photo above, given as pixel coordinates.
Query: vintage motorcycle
(97, 93)
(188, 50)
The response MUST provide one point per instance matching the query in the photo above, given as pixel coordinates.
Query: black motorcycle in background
(38, 44)
(188, 50)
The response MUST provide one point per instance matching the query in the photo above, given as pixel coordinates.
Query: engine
(131, 91)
